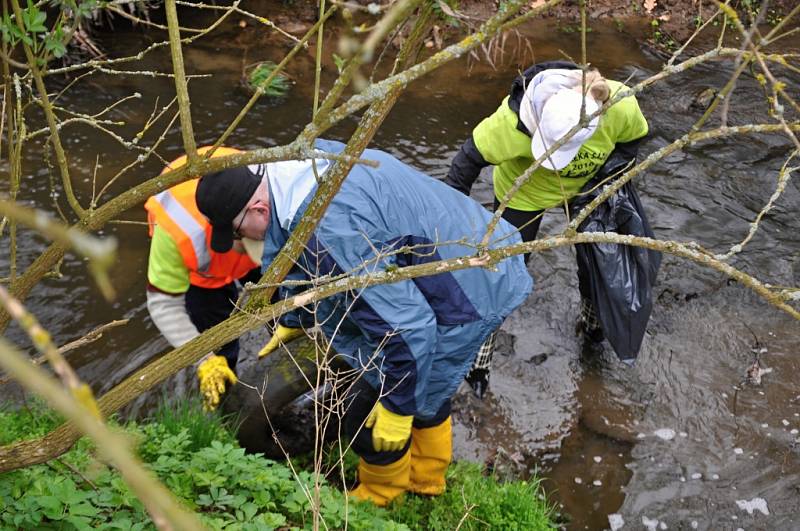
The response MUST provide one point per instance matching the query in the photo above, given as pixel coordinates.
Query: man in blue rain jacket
(414, 340)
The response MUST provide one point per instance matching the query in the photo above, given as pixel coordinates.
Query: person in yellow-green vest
(544, 104)
(190, 287)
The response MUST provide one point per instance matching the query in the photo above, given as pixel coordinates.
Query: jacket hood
(522, 80)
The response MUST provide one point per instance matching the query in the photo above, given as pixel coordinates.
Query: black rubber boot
(590, 331)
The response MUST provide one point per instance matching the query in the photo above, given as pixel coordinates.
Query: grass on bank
(196, 456)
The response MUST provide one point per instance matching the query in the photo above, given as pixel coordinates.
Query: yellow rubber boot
(380, 484)
(431, 452)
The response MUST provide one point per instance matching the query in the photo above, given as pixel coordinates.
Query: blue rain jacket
(416, 339)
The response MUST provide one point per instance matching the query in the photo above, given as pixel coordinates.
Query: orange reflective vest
(175, 211)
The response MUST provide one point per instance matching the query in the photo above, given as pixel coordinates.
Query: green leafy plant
(230, 489)
(33, 31)
(28, 421)
(476, 501)
(661, 38)
(233, 490)
(339, 62)
(174, 416)
(446, 10)
(571, 28)
(257, 78)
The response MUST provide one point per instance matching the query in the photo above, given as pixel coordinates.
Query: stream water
(678, 440)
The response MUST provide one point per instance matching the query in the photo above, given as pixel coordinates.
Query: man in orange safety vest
(190, 287)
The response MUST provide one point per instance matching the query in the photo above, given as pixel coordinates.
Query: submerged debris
(755, 372)
(702, 99)
(653, 524)
(756, 504)
(615, 521)
(666, 434)
(257, 75)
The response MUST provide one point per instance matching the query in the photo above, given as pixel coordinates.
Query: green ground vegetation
(474, 500)
(196, 456)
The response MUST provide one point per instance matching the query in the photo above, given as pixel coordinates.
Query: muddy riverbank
(676, 20)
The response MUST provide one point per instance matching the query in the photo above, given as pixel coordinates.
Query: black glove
(478, 379)
(478, 375)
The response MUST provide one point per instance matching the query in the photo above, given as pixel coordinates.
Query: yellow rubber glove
(213, 374)
(283, 334)
(390, 431)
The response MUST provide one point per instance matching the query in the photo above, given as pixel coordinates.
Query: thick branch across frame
(36, 451)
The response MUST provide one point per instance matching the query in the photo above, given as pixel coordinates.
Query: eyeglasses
(236, 234)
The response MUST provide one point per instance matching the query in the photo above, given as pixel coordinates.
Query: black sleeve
(624, 153)
(629, 150)
(466, 167)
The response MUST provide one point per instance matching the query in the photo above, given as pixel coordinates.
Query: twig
(101, 252)
(315, 103)
(659, 154)
(75, 471)
(748, 39)
(181, 88)
(783, 179)
(99, 64)
(90, 337)
(50, 116)
(142, 158)
(777, 88)
(40, 339)
(259, 90)
(364, 53)
(697, 32)
(128, 222)
(402, 79)
(6, 93)
(466, 515)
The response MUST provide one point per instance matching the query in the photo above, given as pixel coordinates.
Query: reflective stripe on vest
(190, 227)
(175, 211)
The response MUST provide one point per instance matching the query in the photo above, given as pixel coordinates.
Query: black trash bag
(617, 279)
